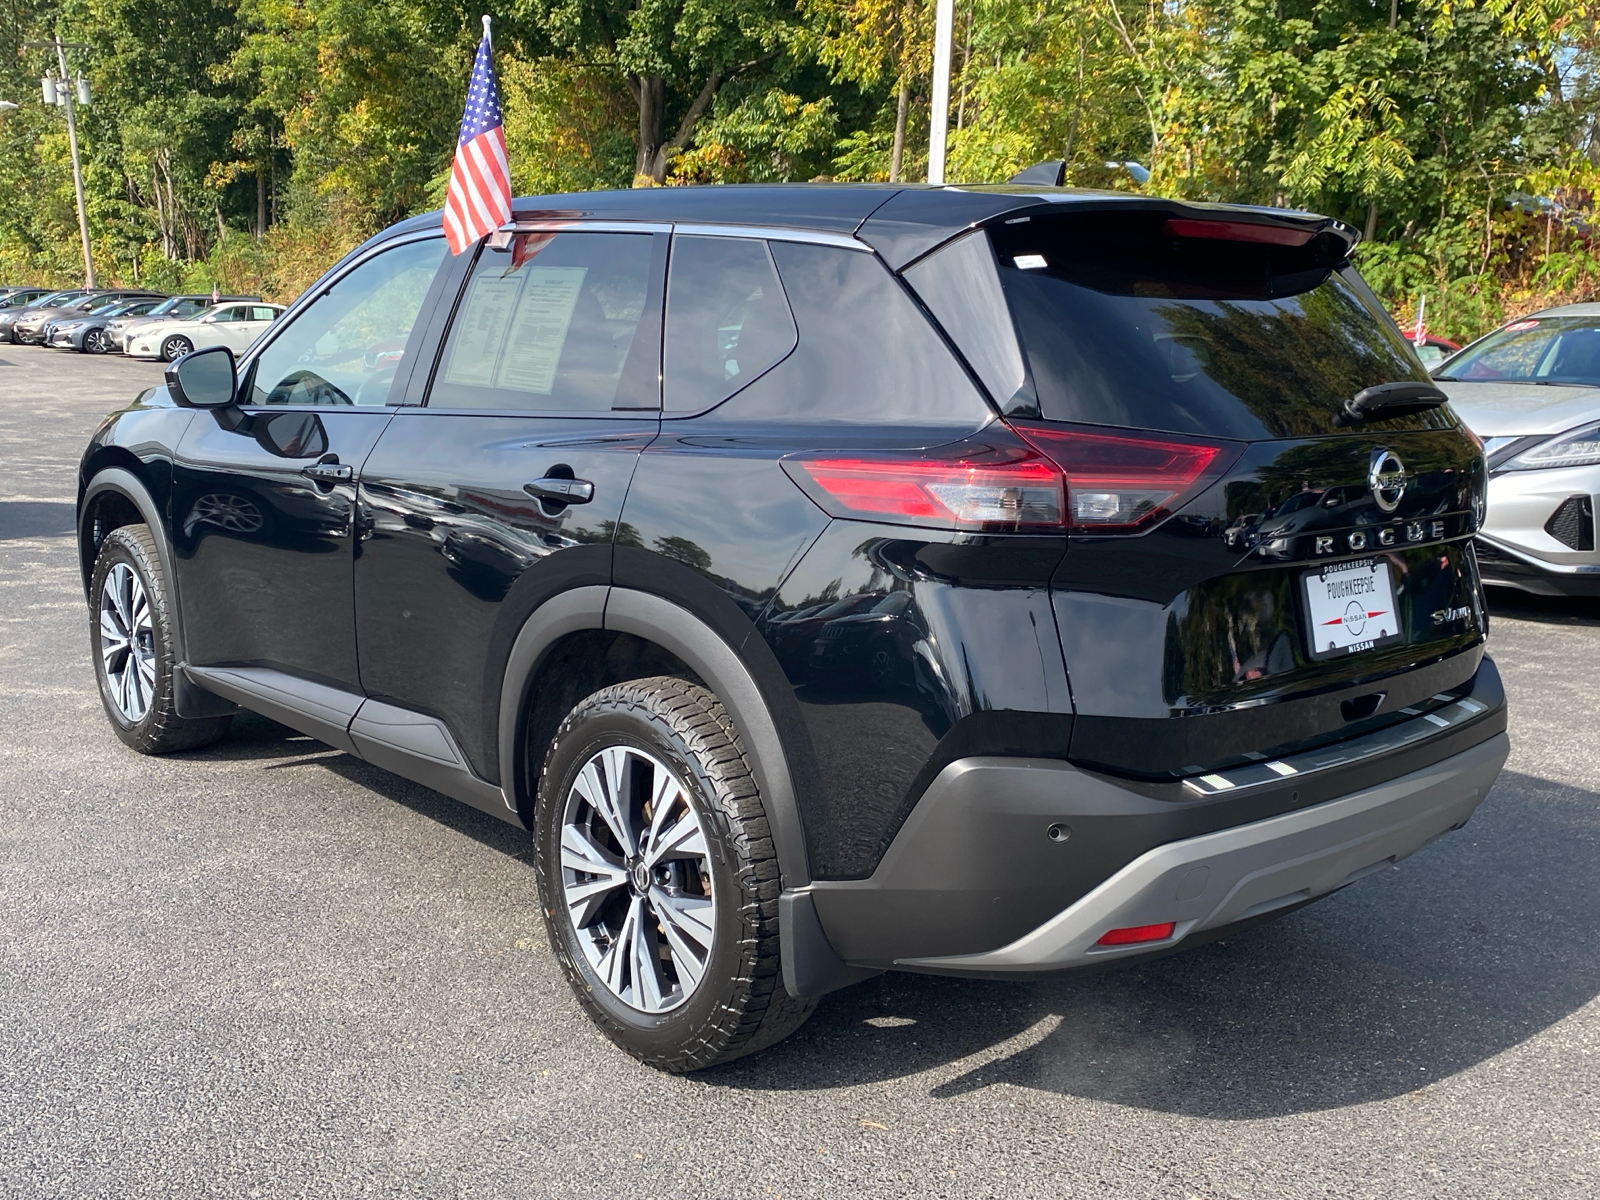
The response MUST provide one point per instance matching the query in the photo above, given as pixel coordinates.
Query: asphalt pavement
(269, 969)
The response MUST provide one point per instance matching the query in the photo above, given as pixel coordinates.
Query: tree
(673, 56)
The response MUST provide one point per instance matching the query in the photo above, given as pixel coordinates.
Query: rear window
(1122, 323)
(1535, 350)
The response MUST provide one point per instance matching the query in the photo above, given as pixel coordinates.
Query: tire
(725, 870)
(130, 632)
(175, 346)
(97, 341)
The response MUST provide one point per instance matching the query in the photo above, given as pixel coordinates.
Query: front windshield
(115, 309)
(54, 299)
(168, 305)
(1557, 350)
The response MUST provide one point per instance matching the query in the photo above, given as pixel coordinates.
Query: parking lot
(269, 969)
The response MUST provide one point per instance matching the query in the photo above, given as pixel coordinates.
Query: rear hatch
(1251, 569)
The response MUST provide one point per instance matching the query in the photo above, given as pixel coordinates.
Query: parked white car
(1531, 391)
(232, 325)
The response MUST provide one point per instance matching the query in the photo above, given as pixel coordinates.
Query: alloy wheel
(96, 341)
(127, 643)
(175, 347)
(636, 878)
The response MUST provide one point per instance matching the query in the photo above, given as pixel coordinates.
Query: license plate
(1350, 607)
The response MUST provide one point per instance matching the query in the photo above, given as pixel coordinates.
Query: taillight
(1123, 483)
(992, 486)
(1238, 231)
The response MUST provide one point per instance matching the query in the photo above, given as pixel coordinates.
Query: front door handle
(329, 472)
(561, 491)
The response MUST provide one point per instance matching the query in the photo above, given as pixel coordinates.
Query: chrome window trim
(1422, 726)
(573, 225)
(774, 233)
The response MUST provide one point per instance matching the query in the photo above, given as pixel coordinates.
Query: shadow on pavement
(1517, 605)
(1469, 949)
(36, 518)
(254, 738)
(1472, 947)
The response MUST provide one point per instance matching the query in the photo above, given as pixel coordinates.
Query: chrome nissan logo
(1386, 476)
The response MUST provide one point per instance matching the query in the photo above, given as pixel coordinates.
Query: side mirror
(203, 379)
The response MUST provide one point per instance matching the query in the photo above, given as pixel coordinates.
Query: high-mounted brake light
(986, 488)
(1238, 231)
(1123, 484)
(1135, 934)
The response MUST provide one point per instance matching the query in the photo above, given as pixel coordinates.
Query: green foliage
(249, 142)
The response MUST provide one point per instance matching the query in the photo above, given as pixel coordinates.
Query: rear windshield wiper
(1391, 400)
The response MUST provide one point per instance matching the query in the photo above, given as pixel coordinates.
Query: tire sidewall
(119, 548)
(649, 1036)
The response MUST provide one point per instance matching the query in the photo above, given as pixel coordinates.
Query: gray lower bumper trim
(1218, 878)
(1532, 560)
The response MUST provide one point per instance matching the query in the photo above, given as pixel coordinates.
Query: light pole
(943, 34)
(61, 92)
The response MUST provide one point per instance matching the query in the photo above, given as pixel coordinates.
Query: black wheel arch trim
(189, 700)
(131, 488)
(700, 647)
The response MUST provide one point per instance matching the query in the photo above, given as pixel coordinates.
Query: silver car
(1531, 391)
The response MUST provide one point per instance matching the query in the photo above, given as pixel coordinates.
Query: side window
(263, 314)
(568, 323)
(727, 320)
(960, 284)
(867, 352)
(344, 347)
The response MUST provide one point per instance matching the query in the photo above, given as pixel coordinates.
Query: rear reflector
(1118, 484)
(1238, 231)
(976, 487)
(1138, 933)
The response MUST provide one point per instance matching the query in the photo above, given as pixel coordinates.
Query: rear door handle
(329, 472)
(561, 491)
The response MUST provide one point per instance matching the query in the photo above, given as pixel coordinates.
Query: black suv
(981, 580)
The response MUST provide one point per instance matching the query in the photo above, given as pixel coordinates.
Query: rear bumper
(1011, 865)
(1238, 874)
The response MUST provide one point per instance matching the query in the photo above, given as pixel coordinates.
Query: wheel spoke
(115, 586)
(580, 855)
(614, 963)
(684, 840)
(619, 765)
(147, 673)
(112, 635)
(129, 702)
(141, 613)
(664, 796)
(594, 785)
(687, 922)
(649, 987)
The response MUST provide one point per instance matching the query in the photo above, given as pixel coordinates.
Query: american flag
(479, 199)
